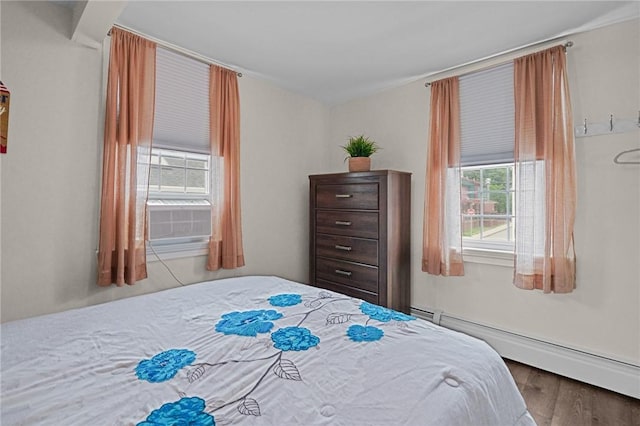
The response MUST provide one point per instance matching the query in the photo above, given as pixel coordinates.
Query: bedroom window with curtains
(487, 159)
(171, 161)
(501, 171)
(180, 187)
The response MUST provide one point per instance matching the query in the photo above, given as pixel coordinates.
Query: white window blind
(181, 119)
(487, 116)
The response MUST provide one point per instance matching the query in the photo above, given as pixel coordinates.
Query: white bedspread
(317, 358)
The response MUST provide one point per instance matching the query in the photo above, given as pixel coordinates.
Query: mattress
(250, 351)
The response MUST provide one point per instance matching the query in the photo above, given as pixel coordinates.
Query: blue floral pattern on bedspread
(271, 358)
(282, 300)
(294, 339)
(248, 323)
(165, 365)
(186, 411)
(383, 314)
(360, 333)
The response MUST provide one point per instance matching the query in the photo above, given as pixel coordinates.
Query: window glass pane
(196, 164)
(155, 159)
(172, 179)
(496, 203)
(471, 195)
(495, 179)
(471, 226)
(172, 160)
(197, 181)
(470, 206)
(495, 229)
(472, 175)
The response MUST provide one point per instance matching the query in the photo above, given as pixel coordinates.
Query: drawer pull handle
(343, 222)
(344, 195)
(345, 248)
(341, 272)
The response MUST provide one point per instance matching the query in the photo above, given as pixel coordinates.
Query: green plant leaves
(360, 146)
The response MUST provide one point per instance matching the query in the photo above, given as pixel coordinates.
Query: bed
(250, 351)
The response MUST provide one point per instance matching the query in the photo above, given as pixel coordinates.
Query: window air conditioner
(179, 221)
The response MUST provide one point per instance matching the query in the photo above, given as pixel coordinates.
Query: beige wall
(50, 180)
(603, 315)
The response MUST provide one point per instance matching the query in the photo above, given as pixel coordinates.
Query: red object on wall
(4, 117)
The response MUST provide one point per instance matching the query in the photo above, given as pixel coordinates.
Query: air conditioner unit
(179, 221)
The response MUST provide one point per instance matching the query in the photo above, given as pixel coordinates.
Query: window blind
(181, 119)
(487, 116)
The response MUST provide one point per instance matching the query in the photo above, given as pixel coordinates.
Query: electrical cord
(165, 265)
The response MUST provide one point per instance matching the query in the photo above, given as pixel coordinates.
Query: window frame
(178, 247)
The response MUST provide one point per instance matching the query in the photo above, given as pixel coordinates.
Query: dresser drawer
(351, 274)
(361, 196)
(353, 224)
(347, 248)
(349, 291)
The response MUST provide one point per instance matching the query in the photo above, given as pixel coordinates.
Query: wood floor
(559, 401)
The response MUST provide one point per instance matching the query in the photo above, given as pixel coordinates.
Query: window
(179, 174)
(179, 197)
(180, 185)
(528, 195)
(488, 206)
(486, 158)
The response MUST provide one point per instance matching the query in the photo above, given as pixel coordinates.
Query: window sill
(488, 257)
(176, 251)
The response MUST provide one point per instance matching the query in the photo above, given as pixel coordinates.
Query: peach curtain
(125, 168)
(442, 239)
(545, 180)
(225, 244)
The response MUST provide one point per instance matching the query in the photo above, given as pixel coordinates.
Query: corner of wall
(0, 160)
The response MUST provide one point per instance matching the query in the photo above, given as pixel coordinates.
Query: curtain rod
(533, 47)
(177, 49)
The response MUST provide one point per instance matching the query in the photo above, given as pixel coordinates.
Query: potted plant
(360, 149)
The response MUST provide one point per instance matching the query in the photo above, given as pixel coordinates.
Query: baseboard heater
(615, 375)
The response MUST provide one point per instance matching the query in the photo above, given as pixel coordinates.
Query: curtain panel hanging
(125, 169)
(225, 244)
(545, 176)
(442, 238)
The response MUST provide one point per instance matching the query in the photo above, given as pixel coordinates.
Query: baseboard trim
(586, 367)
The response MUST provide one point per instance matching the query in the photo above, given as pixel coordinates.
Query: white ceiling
(337, 51)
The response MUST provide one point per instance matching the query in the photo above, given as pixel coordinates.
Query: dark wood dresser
(360, 235)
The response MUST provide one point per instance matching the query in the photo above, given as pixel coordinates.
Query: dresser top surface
(370, 173)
